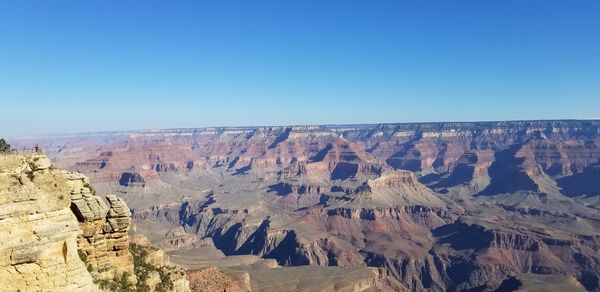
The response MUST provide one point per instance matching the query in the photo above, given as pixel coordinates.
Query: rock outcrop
(104, 228)
(38, 231)
(398, 188)
(57, 235)
(211, 279)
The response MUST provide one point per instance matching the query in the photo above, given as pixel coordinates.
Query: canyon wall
(436, 206)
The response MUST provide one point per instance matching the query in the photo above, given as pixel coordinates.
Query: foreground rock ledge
(51, 221)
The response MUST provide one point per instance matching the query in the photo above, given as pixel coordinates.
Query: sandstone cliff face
(56, 234)
(38, 231)
(104, 228)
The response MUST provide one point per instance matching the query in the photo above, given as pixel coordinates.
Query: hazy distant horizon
(93, 66)
(107, 131)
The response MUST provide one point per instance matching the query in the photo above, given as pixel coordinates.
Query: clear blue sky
(72, 66)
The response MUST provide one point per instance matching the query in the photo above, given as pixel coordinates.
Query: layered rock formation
(57, 235)
(104, 228)
(38, 231)
(438, 206)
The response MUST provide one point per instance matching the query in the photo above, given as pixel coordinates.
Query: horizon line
(133, 131)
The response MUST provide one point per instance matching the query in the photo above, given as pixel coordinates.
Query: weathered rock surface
(57, 235)
(104, 228)
(38, 231)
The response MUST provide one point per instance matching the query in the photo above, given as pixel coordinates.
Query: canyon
(473, 206)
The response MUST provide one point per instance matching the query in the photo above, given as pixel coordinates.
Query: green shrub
(166, 284)
(120, 284)
(84, 259)
(82, 256)
(4, 147)
(143, 269)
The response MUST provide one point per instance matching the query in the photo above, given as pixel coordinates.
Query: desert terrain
(405, 207)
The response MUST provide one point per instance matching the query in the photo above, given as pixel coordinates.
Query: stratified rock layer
(38, 231)
(433, 206)
(104, 228)
(47, 218)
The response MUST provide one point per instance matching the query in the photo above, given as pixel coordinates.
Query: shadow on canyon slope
(287, 252)
(461, 236)
(586, 183)
(507, 175)
(320, 156)
(131, 179)
(281, 189)
(344, 170)
(282, 137)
